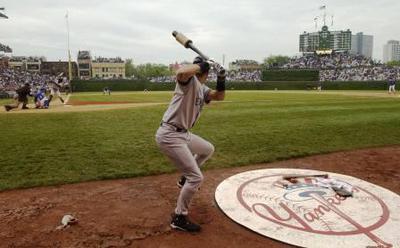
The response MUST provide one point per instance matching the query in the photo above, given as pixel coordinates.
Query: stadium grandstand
(236, 76)
(12, 79)
(344, 67)
(330, 61)
(242, 70)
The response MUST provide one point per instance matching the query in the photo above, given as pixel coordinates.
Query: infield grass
(133, 97)
(249, 127)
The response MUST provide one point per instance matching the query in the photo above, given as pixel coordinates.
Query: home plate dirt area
(136, 212)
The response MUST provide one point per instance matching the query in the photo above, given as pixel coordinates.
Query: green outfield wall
(127, 85)
(289, 75)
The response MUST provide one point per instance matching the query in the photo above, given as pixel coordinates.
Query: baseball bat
(187, 43)
(289, 177)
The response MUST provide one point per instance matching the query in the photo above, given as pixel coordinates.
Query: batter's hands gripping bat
(187, 43)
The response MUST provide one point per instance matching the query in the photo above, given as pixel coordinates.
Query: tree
(393, 63)
(129, 68)
(276, 60)
(146, 71)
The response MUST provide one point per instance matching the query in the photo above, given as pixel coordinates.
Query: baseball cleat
(181, 222)
(7, 107)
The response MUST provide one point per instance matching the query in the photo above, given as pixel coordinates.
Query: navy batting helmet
(198, 60)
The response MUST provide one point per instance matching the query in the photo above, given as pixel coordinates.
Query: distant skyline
(141, 30)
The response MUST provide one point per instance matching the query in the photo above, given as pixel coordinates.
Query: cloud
(141, 30)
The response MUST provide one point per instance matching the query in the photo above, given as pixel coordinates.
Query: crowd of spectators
(247, 76)
(344, 67)
(11, 80)
(162, 79)
(335, 67)
(376, 73)
(108, 60)
(333, 61)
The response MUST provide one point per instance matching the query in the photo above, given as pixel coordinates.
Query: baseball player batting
(186, 150)
(55, 86)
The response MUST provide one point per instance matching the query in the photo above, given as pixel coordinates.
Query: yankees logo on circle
(307, 215)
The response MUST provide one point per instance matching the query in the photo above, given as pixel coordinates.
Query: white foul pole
(69, 51)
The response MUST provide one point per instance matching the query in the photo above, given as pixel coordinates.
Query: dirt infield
(136, 212)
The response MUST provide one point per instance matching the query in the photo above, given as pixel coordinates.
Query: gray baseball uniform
(54, 89)
(185, 149)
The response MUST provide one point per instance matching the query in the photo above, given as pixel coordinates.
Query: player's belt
(176, 128)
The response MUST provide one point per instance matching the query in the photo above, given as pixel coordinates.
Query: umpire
(22, 98)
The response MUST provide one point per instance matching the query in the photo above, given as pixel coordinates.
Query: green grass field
(249, 127)
(134, 97)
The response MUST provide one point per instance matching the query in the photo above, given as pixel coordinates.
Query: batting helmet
(204, 67)
(198, 60)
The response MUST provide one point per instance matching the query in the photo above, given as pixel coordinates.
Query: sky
(141, 30)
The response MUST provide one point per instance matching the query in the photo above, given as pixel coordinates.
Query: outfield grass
(134, 97)
(249, 127)
(6, 101)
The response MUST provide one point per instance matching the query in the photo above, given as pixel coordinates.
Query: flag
(322, 7)
(3, 16)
